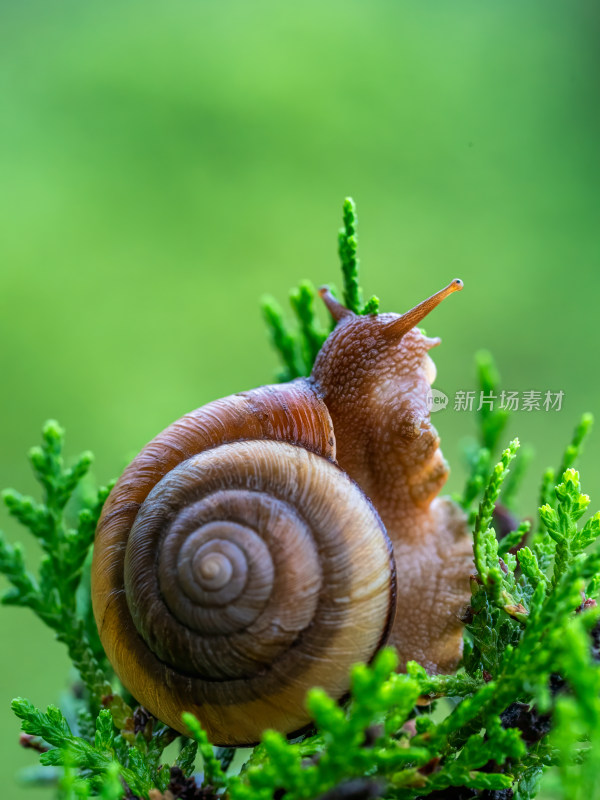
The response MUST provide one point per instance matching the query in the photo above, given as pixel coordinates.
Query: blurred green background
(164, 164)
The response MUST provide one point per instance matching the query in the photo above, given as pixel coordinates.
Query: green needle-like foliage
(52, 594)
(213, 773)
(492, 419)
(97, 758)
(569, 457)
(298, 343)
(348, 252)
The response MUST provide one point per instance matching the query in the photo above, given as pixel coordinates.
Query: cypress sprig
(577, 718)
(312, 335)
(186, 760)
(480, 453)
(485, 546)
(98, 758)
(283, 338)
(514, 538)
(213, 772)
(575, 447)
(348, 252)
(492, 420)
(298, 343)
(569, 457)
(515, 477)
(72, 787)
(561, 523)
(52, 594)
(491, 423)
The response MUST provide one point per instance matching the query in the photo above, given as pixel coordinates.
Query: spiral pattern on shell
(248, 568)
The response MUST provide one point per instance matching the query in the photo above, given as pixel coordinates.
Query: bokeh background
(164, 164)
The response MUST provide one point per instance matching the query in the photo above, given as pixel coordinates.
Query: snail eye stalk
(335, 308)
(411, 318)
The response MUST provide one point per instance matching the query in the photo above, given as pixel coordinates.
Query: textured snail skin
(241, 496)
(374, 373)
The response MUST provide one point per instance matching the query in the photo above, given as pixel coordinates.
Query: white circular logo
(436, 400)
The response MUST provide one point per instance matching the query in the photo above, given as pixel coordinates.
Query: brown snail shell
(236, 566)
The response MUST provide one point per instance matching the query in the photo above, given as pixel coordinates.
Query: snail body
(265, 542)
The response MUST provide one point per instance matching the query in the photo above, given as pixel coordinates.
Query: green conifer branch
(493, 420)
(298, 344)
(569, 457)
(311, 334)
(283, 339)
(213, 772)
(515, 477)
(348, 252)
(491, 423)
(52, 595)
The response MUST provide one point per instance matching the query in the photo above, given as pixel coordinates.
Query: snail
(267, 541)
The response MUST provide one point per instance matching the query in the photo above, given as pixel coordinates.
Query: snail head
(376, 346)
(374, 373)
